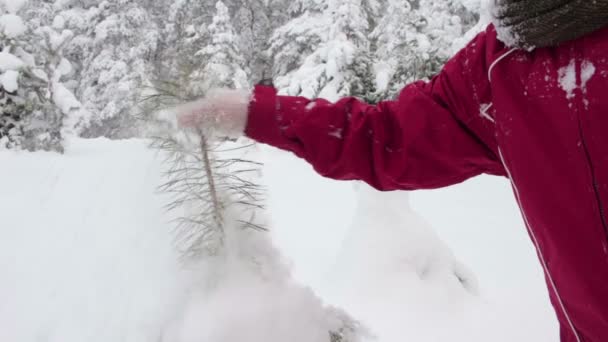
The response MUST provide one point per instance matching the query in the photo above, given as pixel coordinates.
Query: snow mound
(13, 6)
(9, 61)
(9, 80)
(377, 259)
(12, 25)
(386, 235)
(87, 248)
(247, 308)
(90, 226)
(391, 259)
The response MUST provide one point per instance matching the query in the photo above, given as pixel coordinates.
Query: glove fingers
(191, 115)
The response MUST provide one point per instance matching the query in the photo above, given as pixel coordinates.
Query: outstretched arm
(412, 143)
(431, 136)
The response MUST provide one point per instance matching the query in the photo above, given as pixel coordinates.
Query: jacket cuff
(262, 122)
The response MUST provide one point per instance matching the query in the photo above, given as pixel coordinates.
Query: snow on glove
(221, 113)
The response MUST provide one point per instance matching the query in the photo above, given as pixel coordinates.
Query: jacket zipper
(575, 332)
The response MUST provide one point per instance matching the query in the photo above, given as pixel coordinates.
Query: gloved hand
(221, 113)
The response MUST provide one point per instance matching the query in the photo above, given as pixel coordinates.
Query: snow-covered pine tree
(200, 50)
(37, 108)
(278, 12)
(447, 20)
(184, 31)
(325, 51)
(349, 58)
(221, 61)
(254, 20)
(299, 7)
(413, 40)
(117, 65)
(402, 50)
(222, 234)
(13, 100)
(293, 43)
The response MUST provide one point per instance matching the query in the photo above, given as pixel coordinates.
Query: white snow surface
(75, 115)
(64, 98)
(87, 249)
(12, 25)
(9, 80)
(13, 5)
(336, 252)
(382, 70)
(8, 61)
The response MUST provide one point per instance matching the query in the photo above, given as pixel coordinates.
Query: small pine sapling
(214, 186)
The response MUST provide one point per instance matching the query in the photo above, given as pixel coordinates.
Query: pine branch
(207, 178)
(210, 178)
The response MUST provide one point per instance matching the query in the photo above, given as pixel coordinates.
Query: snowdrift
(86, 254)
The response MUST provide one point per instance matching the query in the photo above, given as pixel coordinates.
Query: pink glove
(221, 113)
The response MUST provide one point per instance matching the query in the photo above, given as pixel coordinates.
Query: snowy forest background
(85, 68)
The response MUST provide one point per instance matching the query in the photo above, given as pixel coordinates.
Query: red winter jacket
(539, 118)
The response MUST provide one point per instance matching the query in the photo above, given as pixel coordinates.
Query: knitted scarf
(541, 23)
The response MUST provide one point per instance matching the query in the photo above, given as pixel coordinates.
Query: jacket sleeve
(431, 136)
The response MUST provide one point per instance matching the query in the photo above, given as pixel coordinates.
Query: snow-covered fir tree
(413, 40)
(120, 49)
(117, 65)
(293, 43)
(184, 32)
(402, 53)
(325, 50)
(221, 61)
(349, 58)
(254, 20)
(38, 107)
(447, 20)
(298, 7)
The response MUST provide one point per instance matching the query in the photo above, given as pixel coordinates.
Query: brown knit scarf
(542, 23)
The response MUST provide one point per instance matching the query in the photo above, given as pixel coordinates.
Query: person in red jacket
(531, 106)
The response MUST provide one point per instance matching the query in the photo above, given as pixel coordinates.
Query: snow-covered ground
(86, 251)
(478, 220)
